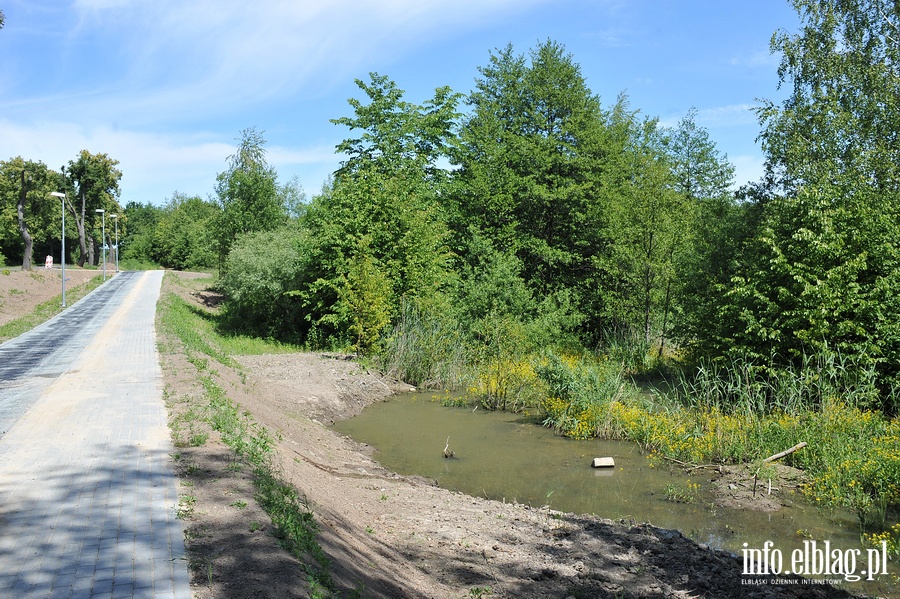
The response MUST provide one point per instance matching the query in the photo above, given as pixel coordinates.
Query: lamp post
(62, 197)
(103, 239)
(116, 216)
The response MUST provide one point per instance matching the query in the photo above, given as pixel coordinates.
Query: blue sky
(166, 86)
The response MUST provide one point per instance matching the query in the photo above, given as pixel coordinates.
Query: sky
(166, 86)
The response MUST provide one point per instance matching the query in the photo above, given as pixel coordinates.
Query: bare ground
(21, 291)
(390, 536)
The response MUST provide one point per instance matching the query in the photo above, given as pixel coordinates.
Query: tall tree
(137, 235)
(395, 133)
(93, 180)
(539, 162)
(183, 237)
(24, 189)
(248, 193)
(828, 246)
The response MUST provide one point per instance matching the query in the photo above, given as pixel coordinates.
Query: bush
(259, 282)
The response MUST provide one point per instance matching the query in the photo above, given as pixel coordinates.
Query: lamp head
(57, 194)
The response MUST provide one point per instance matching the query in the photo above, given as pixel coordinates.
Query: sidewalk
(87, 493)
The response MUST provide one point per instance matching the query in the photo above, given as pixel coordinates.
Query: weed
(186, 505)
(251, 443)
(239, 504)
(689, 493)
(46, 310)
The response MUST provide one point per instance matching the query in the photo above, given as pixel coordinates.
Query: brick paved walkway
(87, 493)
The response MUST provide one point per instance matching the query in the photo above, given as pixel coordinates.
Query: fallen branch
(780, 455)
(689, 466)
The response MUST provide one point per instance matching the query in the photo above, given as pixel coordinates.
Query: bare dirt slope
(21, 291)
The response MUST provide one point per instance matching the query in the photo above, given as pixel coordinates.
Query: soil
(21, 291)
(390, 536)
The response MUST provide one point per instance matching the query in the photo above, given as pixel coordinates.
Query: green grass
(250, 442)
(47, 310)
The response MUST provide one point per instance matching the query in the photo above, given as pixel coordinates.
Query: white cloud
(725, 116)
(208, 56)
(759, 59)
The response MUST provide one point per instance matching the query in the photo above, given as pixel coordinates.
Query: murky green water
(506, 456)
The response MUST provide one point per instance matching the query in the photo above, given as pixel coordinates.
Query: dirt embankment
(21, 291)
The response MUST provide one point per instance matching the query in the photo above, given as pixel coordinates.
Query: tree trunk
(23, 228)
(82, 243)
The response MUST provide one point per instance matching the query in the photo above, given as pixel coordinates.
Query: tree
(824, 275)
(93, 181)
(530, 158)
(248, 193)
(24, 200)
(137, 235)
(711, 228)
(376, 235)
(183, 237)
(395, 134)
(394, 221)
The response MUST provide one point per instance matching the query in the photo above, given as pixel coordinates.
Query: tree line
(528, 213)
(31, 219)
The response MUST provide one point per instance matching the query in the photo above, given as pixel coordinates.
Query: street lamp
(62, 196)
(103, 239)
(116, 216)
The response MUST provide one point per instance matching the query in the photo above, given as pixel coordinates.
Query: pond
(509, 457)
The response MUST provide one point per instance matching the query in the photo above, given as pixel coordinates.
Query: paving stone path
(87, 494)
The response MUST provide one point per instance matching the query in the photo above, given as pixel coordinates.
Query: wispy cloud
(154, 68)
(726, 116)
(760, 59)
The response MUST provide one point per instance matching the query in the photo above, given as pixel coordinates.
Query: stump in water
(448, 453)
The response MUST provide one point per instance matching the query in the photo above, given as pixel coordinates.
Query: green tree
(711, 226)
(825, 272)
(137, 234)
(396, 220)
(248, 193)
(259, 281)
(366, 299)
(93, 183)
(26, 208)
(183, 238)
(531, 158)
(397, 135)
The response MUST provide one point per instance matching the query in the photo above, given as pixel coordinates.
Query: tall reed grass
(426, 348)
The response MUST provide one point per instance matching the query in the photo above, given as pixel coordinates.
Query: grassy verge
(47, 310)
(249, 441)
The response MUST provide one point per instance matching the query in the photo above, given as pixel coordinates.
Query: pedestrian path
(87, 493)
